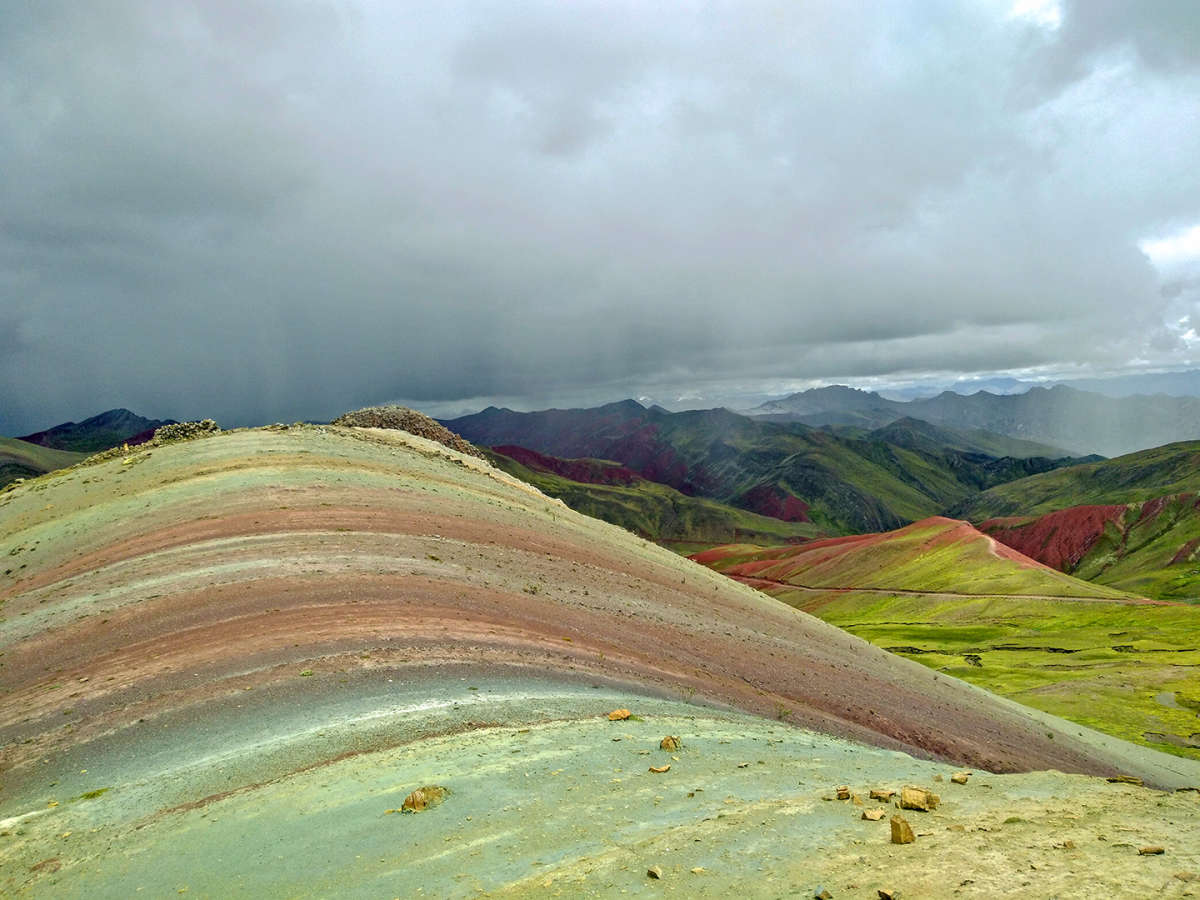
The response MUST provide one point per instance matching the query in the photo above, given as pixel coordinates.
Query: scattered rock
(885, 894)
(658, 770)
(618, 715)
(960, 777)
(401, 418)
(654, 872)
(1186, 876)
(879, 794)
(697, 870)
(938, 778)
(918, 798)
(670, 743)
(1126, 779)
(1151, 851)
(843, 792)
(856, 800)
(184, 431)
(902, 832)
(873, 815)
(1067, 845)
(424, 798)
(822, 894)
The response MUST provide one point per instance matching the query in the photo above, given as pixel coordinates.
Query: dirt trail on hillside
(758, 582)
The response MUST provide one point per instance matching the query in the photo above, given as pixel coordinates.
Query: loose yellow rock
(424, 798)
(658, 770)
(618, 715)
(872, 815)
(902, 832)
(918, 798)
(670, 743)
(960, 777)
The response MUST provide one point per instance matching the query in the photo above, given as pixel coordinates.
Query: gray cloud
(279, 210)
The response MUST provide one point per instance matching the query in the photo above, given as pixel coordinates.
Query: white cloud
(1176, 249)
(1046, 13)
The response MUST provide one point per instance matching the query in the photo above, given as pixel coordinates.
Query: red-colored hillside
(1060, 539)
(587, 471)
(769, 500)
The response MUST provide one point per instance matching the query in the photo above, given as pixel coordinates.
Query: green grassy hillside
(910, 432)
(655, 511)
(1133, 478)
(936, 592)
(20, 459)
(934, 555)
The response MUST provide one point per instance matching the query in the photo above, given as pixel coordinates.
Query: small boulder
(1152, 851)
(918, 798)
(822, 894)
(654, 872)
(880, 794)
(670, 743)
(659, 770)
(960, 777)
(424, 798)
(873, 815)
(618, 715)
(843, 792)
(885, 894)
(902, 832)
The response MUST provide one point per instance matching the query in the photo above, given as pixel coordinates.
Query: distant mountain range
(108, 429)
(1079, 421)
(841, 482)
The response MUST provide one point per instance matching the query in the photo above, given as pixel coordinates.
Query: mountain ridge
(99, 432)
(1083, 422)
(842, 483)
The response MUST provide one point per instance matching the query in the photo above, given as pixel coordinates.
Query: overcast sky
(268, 211)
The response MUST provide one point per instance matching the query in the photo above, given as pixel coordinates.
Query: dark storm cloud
(268, 211)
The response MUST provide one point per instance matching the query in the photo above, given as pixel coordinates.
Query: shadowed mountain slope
(100, 432)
